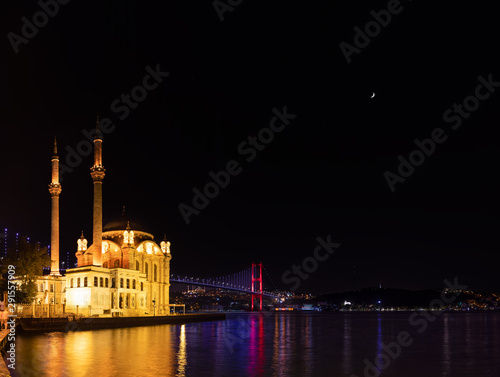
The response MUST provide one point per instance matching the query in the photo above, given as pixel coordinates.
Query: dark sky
(322, 175)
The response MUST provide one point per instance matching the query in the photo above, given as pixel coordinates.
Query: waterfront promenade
(95, 323)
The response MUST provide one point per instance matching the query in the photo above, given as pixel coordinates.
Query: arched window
(78, 282)
(121, 283)
(107, 281)
(142, 286)
(137, 265)
(155, 272)
(133, 284)
(85, 281)
(52, 287)
(146, 269)
(105, 264)
(128, 283)
(96, 281)
(101, 281)
(70, 283)
(112, 282)
(117, 263)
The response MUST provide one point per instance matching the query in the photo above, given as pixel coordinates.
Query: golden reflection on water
(52, 356)
(78, 353)
(79, 344)
(182, 355)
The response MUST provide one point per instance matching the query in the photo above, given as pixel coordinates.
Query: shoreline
(289, 312)
(101, 323)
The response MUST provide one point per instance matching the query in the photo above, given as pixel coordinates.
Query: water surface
(275, 344)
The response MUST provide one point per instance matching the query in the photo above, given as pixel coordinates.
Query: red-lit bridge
(248, 281)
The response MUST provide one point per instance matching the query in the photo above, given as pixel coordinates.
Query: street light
(154, 308)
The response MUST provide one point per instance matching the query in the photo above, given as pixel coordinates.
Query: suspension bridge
(247, 281)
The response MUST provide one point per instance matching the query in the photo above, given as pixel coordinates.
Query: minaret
(55, 191)
(97, 173)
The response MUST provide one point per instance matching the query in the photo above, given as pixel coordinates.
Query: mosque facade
(123, 273)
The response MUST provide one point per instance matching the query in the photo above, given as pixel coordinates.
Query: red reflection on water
(256, 349)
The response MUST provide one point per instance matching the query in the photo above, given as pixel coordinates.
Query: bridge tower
(257, 271)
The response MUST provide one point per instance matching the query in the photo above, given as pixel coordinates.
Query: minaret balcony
(55, 189)
(97, 172)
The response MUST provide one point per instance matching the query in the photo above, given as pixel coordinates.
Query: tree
(29, 260)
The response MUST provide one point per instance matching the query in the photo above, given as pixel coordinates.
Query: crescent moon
(373, 95)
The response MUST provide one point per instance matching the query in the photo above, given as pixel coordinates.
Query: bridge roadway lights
(219, 284)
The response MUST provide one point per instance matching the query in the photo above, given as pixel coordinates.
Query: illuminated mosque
(123, 273)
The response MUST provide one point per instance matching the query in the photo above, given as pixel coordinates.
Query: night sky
(322, 174)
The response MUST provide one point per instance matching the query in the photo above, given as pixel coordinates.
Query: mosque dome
(122, 222)
(115, 229)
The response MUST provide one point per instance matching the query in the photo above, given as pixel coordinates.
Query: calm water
(288, 344)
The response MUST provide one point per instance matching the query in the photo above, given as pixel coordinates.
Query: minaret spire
(55, 190)
(55, 146)
(97, 172)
